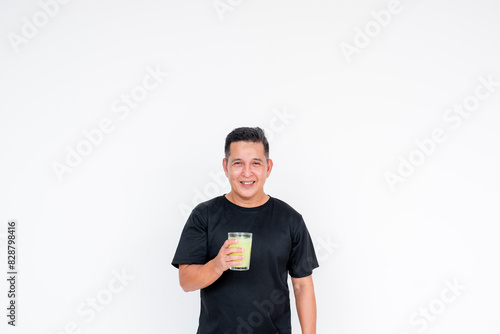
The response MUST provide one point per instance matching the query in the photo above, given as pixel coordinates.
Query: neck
(247, 202)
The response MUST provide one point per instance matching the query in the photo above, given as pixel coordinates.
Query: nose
(247, 171)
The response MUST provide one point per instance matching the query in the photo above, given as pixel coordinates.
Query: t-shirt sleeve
(303, 257)
(192, 247)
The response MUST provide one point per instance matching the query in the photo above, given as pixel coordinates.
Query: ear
(224, 166)
(269, 167)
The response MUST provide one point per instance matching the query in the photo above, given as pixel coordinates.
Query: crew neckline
(253, 208)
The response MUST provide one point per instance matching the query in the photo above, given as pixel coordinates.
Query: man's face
(247, 170)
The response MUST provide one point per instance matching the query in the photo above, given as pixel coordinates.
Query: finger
(233, 258)
(231, 250)
(229, 242)
(232, 241)
(234, 264)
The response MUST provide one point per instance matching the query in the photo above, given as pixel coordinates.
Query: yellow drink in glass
(245, 242)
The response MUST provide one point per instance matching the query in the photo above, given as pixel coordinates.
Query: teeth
(247, 182)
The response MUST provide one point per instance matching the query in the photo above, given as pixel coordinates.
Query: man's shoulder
(285, 207)
(211, 204)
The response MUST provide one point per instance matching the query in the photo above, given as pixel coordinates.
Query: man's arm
(305, 300)
(198, 276)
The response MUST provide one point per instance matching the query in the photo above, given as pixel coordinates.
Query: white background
(386, 253)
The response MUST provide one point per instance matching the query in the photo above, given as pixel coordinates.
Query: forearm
(198, 276)
(306, 308)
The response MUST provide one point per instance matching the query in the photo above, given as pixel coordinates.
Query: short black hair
(255, 135)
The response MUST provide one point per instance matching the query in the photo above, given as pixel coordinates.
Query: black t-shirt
(257, 300)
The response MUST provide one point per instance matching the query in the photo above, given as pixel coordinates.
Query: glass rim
(239, 234)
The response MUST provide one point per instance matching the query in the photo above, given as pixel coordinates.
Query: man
(254, 301)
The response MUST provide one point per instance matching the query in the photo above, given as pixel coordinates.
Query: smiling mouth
(247, 183)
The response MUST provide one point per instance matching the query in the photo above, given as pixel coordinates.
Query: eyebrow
(254, 159)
